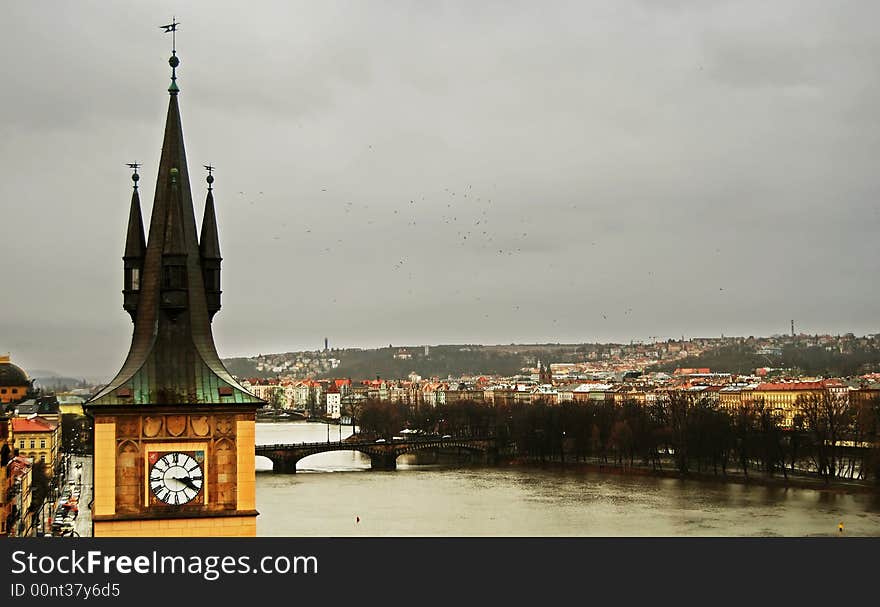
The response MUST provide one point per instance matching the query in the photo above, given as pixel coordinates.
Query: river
(336, 494)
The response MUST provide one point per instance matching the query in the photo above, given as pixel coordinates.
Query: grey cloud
(651, 152)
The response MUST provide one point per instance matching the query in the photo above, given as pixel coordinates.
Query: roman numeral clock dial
(176, 478)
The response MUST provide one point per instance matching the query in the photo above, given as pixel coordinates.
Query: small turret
(209, 250)
(135, 246)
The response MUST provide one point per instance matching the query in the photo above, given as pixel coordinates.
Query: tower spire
(172, 357)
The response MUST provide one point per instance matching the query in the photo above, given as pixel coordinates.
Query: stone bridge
(383, 455)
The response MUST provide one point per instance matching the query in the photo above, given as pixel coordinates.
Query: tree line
(828, 436)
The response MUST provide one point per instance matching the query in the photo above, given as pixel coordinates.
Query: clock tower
(174, 431)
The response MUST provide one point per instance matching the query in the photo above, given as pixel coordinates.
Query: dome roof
(12, 375)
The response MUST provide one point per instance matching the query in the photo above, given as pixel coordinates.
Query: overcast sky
(481, 172)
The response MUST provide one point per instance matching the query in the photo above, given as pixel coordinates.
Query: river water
(336, 494)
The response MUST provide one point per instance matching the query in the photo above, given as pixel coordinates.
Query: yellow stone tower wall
(121, 505)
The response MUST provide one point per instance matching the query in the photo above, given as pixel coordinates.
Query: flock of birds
(465, 217)
(469, 215)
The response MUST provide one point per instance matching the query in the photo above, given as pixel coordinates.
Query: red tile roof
(35, 424)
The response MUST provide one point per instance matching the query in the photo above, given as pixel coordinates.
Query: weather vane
(173, 61)
(135, 177)
(210, 178)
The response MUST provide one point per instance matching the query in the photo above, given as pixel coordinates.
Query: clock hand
(188, 482)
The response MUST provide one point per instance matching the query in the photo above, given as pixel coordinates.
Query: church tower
(545, 375)
(174, 431)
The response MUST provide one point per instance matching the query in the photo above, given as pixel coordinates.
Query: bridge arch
(264, 463)
(338, 459)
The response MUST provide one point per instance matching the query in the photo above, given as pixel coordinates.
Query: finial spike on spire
(173, 61)
(134, 166)
(210, 178)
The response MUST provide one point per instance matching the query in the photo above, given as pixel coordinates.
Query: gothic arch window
(129, 476)
(225, 471)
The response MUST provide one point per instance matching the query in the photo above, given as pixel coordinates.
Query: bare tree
(353, 409)
(866, 431)
(827, 418)
(680, 407)
(744, 428)
(770, 438)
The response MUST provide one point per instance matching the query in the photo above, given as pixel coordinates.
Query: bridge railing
(372, 443)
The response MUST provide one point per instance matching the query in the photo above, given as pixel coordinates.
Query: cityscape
(620, 254)
(303, 381)
(47, 437)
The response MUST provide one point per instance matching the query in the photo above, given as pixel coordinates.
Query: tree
(866, 418)
(353, 408)
(622, 442)
(382, 418)
(680, 405)
(826, 417)
(744, 430)
(795, 439)
(662, 429)
(277, 398)
(770, 443)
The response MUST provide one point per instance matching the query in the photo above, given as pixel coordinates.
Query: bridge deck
(373, 443)
(383, 453)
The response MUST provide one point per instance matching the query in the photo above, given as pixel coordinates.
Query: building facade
(334, 405)
(19, 520)
(783, 397)
(38, 439)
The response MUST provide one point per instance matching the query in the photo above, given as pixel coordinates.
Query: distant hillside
(243, 367)
(743, 359)
(442, 361)
(397, 362)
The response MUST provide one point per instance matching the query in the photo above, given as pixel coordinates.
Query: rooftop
(31, 424)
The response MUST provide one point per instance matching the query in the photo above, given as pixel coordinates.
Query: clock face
(176, 478)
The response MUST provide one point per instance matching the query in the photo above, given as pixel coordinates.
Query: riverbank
(794, 481)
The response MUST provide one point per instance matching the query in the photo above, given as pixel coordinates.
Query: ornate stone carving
(175, 424)
(152, 426)
(128, 427)
(225, 425)
(200, 425)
